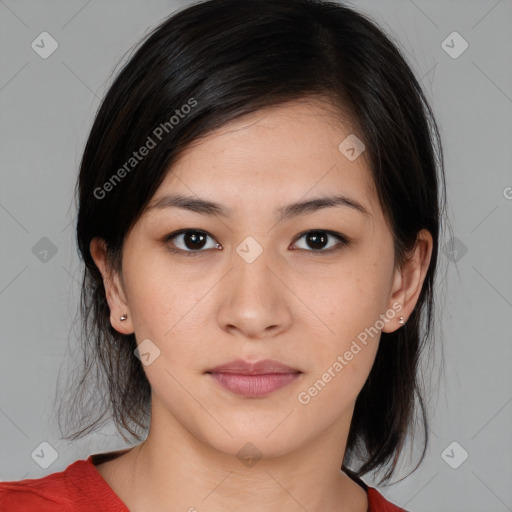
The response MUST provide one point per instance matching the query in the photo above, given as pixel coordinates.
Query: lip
(254, 386)
(263, 367)
(254, 379)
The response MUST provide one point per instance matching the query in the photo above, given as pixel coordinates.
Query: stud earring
(123, 317)
(401, 320)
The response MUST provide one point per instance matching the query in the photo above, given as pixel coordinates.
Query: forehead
(274, 156)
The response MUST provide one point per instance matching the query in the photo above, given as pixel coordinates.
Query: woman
(260, 202)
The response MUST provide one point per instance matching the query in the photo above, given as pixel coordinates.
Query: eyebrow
(205, 207)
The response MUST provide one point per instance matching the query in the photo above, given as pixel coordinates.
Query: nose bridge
(254, 300)
(252, 260)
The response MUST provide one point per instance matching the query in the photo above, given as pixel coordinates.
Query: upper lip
(262, 367)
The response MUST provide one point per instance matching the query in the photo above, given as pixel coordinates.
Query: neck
(185, 474)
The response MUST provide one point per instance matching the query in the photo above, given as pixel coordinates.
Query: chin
(255, 439)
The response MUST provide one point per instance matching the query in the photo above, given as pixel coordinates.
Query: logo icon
(44, 45)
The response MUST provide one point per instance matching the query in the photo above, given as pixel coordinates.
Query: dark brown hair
(225, 59)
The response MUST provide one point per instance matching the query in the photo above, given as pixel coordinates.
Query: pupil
(317, 239)
(194, 237)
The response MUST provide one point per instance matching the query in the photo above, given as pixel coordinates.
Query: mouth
(254, 386)
(263, 367)
(254, 379)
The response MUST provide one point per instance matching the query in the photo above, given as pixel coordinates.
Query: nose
(255, 302)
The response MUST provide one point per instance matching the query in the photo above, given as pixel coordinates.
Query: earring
(123, 317)
(401, 320)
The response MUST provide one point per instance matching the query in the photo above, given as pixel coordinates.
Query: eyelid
(167, 238)
(343, 241)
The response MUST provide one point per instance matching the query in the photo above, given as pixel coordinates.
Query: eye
(193, 242)
(318, 240)
(190, 242)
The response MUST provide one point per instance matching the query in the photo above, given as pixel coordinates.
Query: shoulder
(377, 502)
(48, 493)
(16, 497)
(73, 489)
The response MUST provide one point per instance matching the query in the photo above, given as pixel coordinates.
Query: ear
(113, 289)
(408, 280)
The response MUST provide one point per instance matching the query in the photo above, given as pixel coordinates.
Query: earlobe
(395, 310)
(408, 281)
(113, 290)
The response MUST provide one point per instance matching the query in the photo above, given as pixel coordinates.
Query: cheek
(331, 392)
(171, 309)
(349, 305)
(347, 301)
(343, 355)
(159, 293)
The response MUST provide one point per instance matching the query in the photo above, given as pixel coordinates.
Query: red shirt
(81, 488)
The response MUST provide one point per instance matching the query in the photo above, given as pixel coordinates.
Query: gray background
(47, 107)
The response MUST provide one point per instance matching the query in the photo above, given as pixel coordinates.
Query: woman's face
(262, 280)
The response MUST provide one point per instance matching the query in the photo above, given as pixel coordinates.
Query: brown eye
(193, 242)
(190, 241)
(321, 241)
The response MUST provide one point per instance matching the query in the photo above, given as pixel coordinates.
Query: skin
(298, 306)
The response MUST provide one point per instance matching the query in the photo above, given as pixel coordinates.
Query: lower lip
(254, 385)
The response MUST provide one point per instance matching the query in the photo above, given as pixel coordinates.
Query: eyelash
(343, 241)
